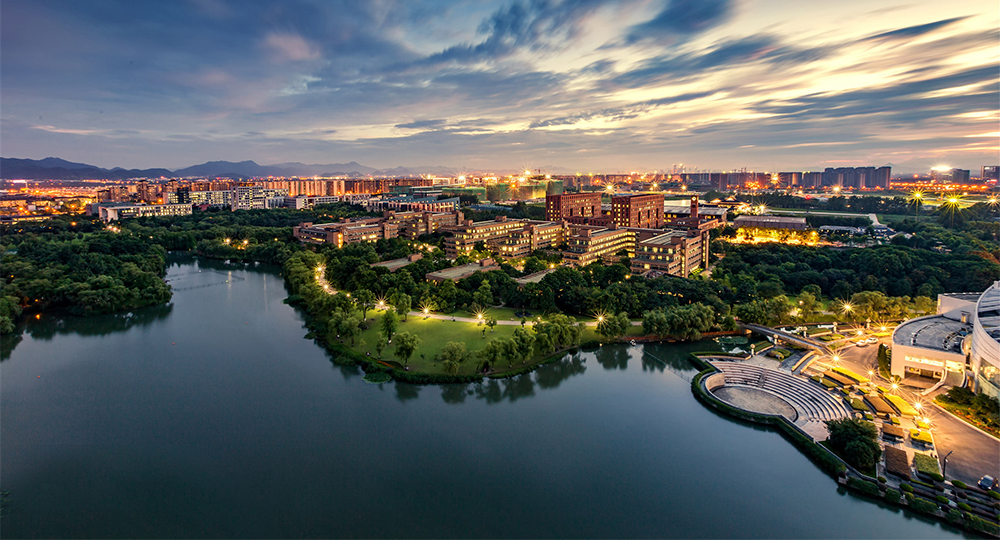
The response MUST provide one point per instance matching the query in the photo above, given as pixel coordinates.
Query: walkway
(822, 348)
(814, 404)
(440, 317)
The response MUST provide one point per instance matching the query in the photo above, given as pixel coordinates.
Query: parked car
(988, 482)
(871, 340)
(861, 343)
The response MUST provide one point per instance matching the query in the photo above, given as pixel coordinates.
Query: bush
(923, 506)
(882, 479)
(377, 378)
(942, 499)
(892, 495)
(993, 495)
(906, 487)
(976, 523)
(864, 486)
(953, 515)
(965, 507)
(926, 464)
(959, 484)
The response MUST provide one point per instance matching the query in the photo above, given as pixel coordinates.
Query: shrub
(976, 523)
(924, 506)
(881, 479)
(377, 378)
(993, 495)
(965, 507)
(942, 499)
(892, 495)
(926, 464)
(959, 484)
(906, 487)
(953, 515)
(864, 486)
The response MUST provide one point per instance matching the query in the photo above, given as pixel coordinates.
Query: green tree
(365, 300)
(402, 304)
(855, 440)
(380, 345)
(484, 295)
(406, 345)
(924, 305)
(613, 326)
(525, 344)
(390, 322)
(492, 353)
(454, 351)
(808, 306)
(491, 322)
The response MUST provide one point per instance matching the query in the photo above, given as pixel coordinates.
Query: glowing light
(836, 358)
(527, 172)
(883, 329)
(600, 318)
(917, 405)
(895, 386)
(226, 241)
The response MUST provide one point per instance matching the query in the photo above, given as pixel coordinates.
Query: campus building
(676, 252)
(590, 244)
(512, 237)
(964, 335)
(391, 225)
(572, 205)
(771, 222)
(644, 210)
(115, 211)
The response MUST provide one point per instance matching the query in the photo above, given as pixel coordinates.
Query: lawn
(435, 333)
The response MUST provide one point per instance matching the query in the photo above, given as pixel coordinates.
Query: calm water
(213, 417)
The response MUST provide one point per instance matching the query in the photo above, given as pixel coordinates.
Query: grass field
(435, 333)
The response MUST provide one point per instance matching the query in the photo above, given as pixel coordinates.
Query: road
(974, 453)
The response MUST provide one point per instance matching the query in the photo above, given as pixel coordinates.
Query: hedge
(906, 487)
(959, 484)
(979, 524)
(892, 495)
(864, 486)
(926, 464)
(921, 436)
(924, 506)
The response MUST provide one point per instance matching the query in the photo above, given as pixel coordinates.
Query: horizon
(577, 85)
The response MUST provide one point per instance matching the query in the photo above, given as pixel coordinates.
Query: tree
(924, 305)
(390, 322)
(613, 326)
(484, 295)
(855, 440)
(380, 346)
(402, 304)
(344, 324)
(808, 306)
(454, 351)
(491, 321)
(524, 343)
(406, 345)
(365, 300)
(492, 353)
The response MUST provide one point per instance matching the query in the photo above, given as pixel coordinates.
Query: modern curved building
(963, 336)
(985, 350)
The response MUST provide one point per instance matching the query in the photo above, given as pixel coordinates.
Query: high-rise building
(990, 172)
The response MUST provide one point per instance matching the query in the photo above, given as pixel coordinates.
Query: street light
(944, 470)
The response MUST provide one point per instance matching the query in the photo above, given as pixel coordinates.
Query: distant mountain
(52, 168)
(59, 169)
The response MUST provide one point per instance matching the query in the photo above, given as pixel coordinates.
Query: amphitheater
(754, 388)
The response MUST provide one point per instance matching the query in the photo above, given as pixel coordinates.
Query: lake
(213, 417)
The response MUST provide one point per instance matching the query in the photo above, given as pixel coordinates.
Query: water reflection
(405, 391)
(494, 391)
(612, 357)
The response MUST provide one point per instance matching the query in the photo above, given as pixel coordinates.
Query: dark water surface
(213, 417)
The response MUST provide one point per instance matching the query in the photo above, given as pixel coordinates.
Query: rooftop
(664, 238)
(772, 219)
(534, 278)
(458, 272)
(936, 333)
(966, 296)
(703, 210)
(394, 264)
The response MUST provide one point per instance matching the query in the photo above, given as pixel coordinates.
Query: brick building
(572, 205)
(644, 210)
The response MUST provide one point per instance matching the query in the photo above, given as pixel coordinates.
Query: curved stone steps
(812, 403)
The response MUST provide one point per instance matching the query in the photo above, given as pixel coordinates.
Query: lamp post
(944, 470)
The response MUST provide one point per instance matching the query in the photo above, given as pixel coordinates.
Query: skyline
(581, 84)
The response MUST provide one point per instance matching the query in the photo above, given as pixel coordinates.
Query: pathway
(440, 317)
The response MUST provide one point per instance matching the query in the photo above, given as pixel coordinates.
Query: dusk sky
(579, 85)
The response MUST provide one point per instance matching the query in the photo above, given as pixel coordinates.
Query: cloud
(682, 17)
(420, 124)
(918, 30)
(290, 47)
(533, 25)
(618, 114)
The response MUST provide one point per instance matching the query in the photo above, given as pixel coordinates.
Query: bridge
(821, 348)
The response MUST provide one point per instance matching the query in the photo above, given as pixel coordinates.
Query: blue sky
(576, 85)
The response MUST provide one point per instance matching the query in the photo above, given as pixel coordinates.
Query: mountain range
(52, 168)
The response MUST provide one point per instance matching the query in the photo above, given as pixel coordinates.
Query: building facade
(572, 205)
(643, 210)
(112, 212)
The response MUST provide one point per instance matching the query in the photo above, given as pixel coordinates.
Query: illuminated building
(572, 205)
(771, 222)
(963, 334)
(115, 211)
(637, 210)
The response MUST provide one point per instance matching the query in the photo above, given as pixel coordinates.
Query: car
(871, 340)
(861, 343)
(988, 482)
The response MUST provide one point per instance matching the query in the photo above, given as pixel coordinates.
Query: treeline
(771, 269)
(92, 273)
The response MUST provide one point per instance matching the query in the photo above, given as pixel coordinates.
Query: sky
(572, 85)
